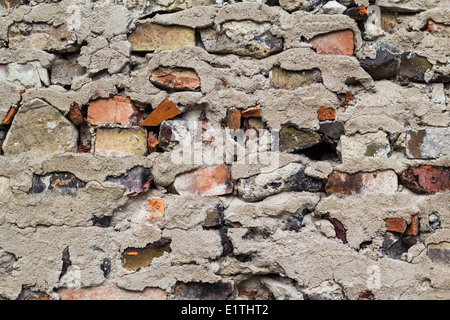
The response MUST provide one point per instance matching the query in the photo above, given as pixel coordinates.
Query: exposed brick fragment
(357, 13)
(117, 110)
(75, 115)
(413, 227)
(152, 142)
(252, 112)
(137, 258)
(383, 182)
(426, 179)
(338, 42)
(10, 116)
(124, 141)
(233, 119)
(155, 208)
(166, 110)
(150, 37)
(202, 291)
(209, 181)
(396, 225)
(136, 181)
(176, 79)
(111, 293)
(324, 114)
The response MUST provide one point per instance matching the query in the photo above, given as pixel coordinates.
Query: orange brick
(396, 225)
(252, 112)
(166, 110)
(233, 119)
(324, 114)
(338, 42)
(10, 116)
(116, 110)
(152, 142)
(413, 227)
(209, 181)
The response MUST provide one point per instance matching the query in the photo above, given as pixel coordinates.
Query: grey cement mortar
(37, 228)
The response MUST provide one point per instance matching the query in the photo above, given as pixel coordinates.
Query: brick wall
(207, 149)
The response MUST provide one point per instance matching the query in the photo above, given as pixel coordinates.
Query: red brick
(426, 179)
(152, 142)
(252, 112)
(111, 293)
(396, 224)
(75, 115)
(176, 79)
(116, 110)
(338, 42)
(380, 182)
(209, 181)
(233, 119)
(10, 116)
(324, 114)
(166, 110)
(413, 227)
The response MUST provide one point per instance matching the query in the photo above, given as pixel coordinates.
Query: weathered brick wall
(202, 149)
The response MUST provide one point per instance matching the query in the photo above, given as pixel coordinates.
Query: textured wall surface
(203, 149)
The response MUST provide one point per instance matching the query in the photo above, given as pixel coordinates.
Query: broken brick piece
(324, 114)
(152, 142)
(176, 79)
(233, 119)
(338, 42)
(10, 116)
(413, 227)
(252, 112)
(396, 225)
(155, 208)
(116, 110)
(166, 110)
(75, 114)
(209, 181)
(426, 179)
(150, 37)
(121, 141)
